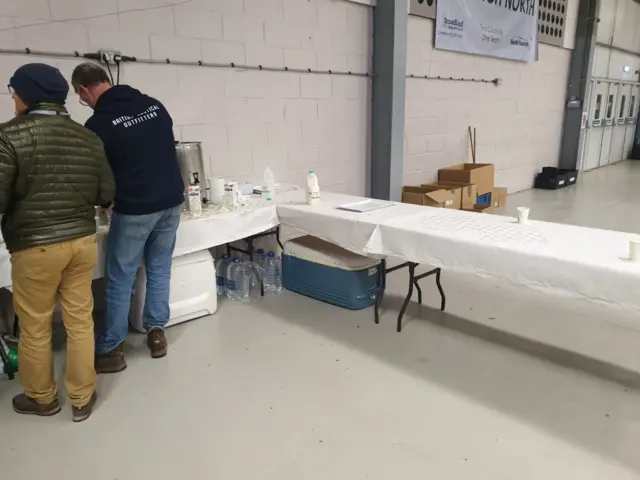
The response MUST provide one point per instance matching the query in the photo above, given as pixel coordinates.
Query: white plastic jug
(313, 188)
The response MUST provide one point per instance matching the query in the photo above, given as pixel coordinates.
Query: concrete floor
(290, 388)
(605, 198)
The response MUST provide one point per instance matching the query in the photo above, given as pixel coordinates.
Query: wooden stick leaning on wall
(475, 145)
(472, 142)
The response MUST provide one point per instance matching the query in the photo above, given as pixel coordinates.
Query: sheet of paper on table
(280, 187)
(365, 206)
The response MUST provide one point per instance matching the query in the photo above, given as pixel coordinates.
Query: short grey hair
(88, 74)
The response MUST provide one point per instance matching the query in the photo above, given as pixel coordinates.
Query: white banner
(496, 28)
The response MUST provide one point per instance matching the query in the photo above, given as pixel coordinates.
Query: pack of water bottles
(240, 279)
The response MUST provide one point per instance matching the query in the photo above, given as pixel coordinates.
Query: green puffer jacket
(53, 172)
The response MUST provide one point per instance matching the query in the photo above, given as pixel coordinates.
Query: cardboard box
(480, 174)
(468, 191)
(431, 197)
(499, 197)
(480, 209)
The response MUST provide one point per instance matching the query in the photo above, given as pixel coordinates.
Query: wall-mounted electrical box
(108, 55)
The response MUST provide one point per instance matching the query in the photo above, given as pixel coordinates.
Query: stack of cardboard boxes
(468, 186)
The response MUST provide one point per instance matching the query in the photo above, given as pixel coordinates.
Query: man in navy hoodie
(137, 132)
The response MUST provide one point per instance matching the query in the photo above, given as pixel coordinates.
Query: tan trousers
(40, 276)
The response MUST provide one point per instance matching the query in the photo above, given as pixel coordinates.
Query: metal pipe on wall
(167, 61)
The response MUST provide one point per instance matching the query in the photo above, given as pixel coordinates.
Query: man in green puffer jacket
(53, 172)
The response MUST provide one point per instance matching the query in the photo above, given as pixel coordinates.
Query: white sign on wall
(496, 28)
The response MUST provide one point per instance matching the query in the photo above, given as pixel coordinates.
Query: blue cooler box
(326, 272)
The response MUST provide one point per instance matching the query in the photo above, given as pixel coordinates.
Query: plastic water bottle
(257, 266)
(272, 274)
(221, 271)
(259, 256)
(229, 277)
(239, 281)
(270, 183)
(313, 188)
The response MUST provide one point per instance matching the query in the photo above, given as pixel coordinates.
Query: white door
(620, 124)
(632, 118)
(595, 121)
(609, 121)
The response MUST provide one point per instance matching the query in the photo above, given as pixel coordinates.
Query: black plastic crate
(547, 181)
(572, 176)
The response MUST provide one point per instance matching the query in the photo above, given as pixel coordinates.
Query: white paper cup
(523, 214)
(634, 249)
(217, 191)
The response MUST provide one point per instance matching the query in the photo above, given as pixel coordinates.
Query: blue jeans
(133, 238)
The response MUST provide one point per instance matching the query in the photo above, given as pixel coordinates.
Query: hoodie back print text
(129, 121)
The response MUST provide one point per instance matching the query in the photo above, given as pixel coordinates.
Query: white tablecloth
(194, 234)
(206, 232)
(357, 232)
(560, 259)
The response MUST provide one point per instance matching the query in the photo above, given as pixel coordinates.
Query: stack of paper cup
(523, 214)
(217, 190)
(634, 248)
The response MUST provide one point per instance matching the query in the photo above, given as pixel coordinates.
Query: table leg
(412, 281)
(417, 285)
(250, 248)
(383, 286)
(443, 298)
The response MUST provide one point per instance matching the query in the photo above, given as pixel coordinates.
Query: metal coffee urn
(192, 166)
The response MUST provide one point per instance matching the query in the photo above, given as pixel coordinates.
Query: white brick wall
(246, 120)
(249, 120)
(519, 124)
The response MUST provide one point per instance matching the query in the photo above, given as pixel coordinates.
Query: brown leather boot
(80, 414)
(112, 362)
(157, 343)
(28, 406)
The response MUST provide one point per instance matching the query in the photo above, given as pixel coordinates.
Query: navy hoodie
(137, 132)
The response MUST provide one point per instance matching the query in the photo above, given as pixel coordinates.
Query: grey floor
(289, 388)
(607, 198)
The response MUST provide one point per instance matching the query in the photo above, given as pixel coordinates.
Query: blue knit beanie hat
(40, 83)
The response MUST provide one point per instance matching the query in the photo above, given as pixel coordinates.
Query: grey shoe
(80, 414)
